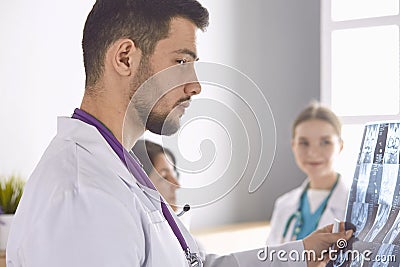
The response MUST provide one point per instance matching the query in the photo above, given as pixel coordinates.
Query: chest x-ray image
(374, 201)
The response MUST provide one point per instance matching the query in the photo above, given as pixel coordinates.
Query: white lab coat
(288, 204)
(82, 208)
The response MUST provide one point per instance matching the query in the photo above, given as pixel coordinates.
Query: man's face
(161, 105)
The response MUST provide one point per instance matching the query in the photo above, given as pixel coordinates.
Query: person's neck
(112, 114)
(324, 182)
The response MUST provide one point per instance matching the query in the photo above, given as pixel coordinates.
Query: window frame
(327, 27)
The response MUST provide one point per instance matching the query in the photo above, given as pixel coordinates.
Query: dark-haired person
(160, 165)
(88, 203)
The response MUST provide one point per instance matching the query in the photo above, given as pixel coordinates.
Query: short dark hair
(147, 151)
(316, 110)
(143, 21)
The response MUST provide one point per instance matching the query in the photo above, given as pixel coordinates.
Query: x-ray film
(374, 201)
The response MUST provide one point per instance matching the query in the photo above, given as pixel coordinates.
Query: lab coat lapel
(293, 204)
(338, 194)
(153, 195)
(302, 188)
(335, 208)
(291, 207)
(88, 137)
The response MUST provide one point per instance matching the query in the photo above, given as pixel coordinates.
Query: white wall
(41, 74)
(276, 43)
(285, 38)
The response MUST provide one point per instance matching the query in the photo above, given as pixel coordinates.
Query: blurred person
(160, 165)
(322, 197)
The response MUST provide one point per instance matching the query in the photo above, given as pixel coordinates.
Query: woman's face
(165, 178)
(315, 146)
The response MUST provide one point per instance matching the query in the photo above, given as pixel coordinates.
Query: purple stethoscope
(133, 166)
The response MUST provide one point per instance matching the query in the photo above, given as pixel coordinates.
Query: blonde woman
(316, 143)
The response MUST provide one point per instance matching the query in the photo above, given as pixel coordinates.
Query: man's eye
(181, 61)
(326, 142)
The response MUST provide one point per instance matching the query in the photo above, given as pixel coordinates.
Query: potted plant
(11, 189)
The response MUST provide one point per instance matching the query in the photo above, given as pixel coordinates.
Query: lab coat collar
(337, 194)
(89, 138)
(332, 204)
(153, 195)
(295, 196)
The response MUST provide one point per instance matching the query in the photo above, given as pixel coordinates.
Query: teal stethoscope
(298, 216)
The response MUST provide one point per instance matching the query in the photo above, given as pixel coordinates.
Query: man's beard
(144, 100)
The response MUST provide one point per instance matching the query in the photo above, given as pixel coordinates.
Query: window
(356, 9)
(360, 68)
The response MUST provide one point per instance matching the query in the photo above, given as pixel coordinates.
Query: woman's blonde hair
(315, 110)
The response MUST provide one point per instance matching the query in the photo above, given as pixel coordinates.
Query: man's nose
(193, 88)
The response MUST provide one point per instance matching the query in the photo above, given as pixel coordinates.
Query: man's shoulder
(69, 172)
(67, 165)
(59, 162)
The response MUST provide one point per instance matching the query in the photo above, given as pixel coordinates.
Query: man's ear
(125, 56)
(341, 145)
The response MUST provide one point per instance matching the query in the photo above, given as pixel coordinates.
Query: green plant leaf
(11, 189)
